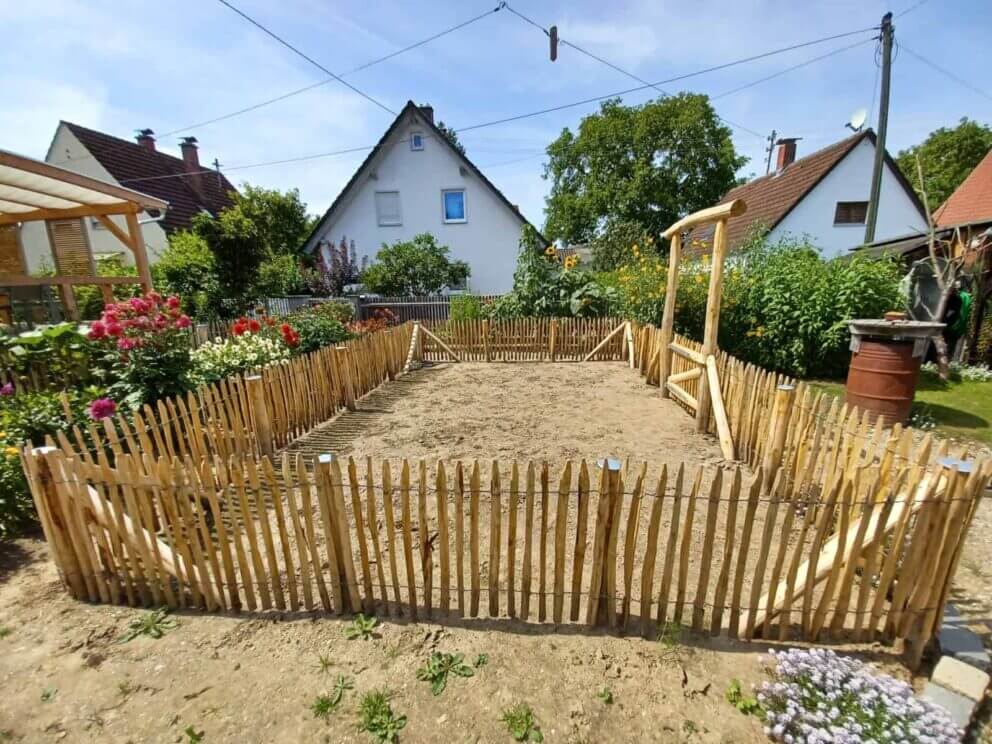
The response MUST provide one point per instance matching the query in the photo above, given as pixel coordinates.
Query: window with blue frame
(453, 205)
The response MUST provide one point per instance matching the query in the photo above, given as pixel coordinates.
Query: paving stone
(960, 677)
(958, 707)
(964, 645)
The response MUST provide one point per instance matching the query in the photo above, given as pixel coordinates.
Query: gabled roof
(972, 200)
(410, 107)
(771, 198)
(132, 165)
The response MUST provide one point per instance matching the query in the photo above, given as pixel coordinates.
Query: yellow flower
(706, 258)
(11, 452)
(549, 251)
(699, 278)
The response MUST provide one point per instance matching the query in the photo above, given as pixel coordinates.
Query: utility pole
(769, 150)
(883, 125)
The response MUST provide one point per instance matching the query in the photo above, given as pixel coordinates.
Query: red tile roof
(972, 200)
(126, 161)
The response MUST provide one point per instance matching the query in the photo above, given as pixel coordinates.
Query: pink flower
(183, 321)
(125, 344)
(172, 302)
(101, 408)
(114, 329)
(97, 331)
(7, 390)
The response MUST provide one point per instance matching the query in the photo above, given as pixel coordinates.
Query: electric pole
(769, 150)
(883, 124)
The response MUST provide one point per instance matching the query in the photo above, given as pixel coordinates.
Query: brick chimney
(191, 160)
(428, 111)
(786, 152)
(146, 139)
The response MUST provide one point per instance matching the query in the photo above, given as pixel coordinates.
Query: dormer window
(417, 141)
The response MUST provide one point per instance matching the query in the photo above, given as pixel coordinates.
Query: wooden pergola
(34, 191)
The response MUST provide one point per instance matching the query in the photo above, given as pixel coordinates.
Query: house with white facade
(416, 181)
(188, 187)
(825, 196)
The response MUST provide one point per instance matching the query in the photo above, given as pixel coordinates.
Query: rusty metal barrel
(885, 366)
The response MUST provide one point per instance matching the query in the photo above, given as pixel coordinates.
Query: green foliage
(222, 358)
(376, 717)
(465, 307)
(414, 267)
(614, 246)
(481, 660)
(5, 631)
(324, 663)
(239, 249)
(154, 624)
(439, 666)
(89, 298)
(746, 704)
(947, 156)
(647, 165)
(362, 627)
(280, 218)
(521, 724)
(341, 310)
(281, 275)
(60, 353)
(606, 696)
(546, 288)
(193, 736)
(316, 329)
(670, 640)
(324, 705)
(452, 136)
(187, 269)
(48, 694)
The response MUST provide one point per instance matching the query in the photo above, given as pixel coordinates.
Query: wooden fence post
(712, 326)
(339, 536)
(342, 368)
(668, 319)
(53, 519)
(260, 414)
(598, 608)
(777, 429)
(553, 340)
(485, 341)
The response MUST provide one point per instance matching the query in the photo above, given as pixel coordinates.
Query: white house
(182, 182)
(825, 196)
(415, 181)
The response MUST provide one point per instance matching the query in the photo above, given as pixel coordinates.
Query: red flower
(183, 321)
(254, 326)
(114, 329)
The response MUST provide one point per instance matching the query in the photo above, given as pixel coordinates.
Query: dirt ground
(65, 675)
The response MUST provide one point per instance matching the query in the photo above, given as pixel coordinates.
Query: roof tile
(972, 200)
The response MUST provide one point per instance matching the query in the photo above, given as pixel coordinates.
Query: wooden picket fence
(828, 527)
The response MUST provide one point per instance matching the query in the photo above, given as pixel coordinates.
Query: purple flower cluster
(819, 697)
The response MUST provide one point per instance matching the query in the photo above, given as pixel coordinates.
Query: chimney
(192, 162)
(786, 152)
(428, 111)
(146, 140)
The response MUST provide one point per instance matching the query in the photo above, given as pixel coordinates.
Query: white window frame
(444, 214)
(413, 143)
(399, 210)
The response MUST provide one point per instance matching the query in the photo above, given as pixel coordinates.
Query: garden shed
(32, 191)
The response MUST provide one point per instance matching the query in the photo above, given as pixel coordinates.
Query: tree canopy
(280, 217)
(414, 267)
(648, 165)
(452, 136)
(947, 156)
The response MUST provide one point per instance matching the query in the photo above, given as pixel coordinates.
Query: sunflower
(550, 251)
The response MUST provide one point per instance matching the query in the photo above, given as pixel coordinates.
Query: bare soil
(65, 676)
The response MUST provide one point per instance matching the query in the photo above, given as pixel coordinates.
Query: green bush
(316, 330)
(465, 307)
(414, 267)
(59, 352)
(341, 310)
(187, 268)
(281, 275)
(614, 247)
(89, 298)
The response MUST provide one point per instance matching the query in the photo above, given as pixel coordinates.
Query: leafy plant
(362, 627)
(521, 724)
(325, 663)
(439, 666)
(193, 736)
(746, 704)
(606, 695)
(376, 717)
(222, 358)
(153, 624)
(59, 354)
(48, 694)
(465, 307)
(5, 631)
(316, 330)
(481, 660)
(324, 705)
(414, 267)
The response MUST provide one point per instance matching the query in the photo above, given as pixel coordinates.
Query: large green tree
(648, 165)
(947, 156)
(280, 217)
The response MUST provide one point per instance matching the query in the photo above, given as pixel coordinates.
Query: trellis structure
(33, 191)
(705, 369)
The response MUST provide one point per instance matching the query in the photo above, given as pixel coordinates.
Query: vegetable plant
(439, 666)
(376, 717)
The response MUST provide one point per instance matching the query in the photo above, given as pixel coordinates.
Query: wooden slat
(561, 525)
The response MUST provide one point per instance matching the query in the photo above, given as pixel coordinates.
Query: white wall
(850, 180)
(487, 241)
(37, 249)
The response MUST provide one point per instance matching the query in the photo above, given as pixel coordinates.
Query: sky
(122, 65)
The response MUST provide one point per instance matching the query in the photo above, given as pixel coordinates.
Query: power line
(540, 112)
(911, 8)
(303, 55)
(947, 73)
(617, 68)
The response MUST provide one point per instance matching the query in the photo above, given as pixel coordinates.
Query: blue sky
(125, 64)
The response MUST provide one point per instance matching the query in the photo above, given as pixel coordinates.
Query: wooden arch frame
(706, 371)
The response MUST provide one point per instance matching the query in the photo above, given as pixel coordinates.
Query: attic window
(417, 141)
(851, 213)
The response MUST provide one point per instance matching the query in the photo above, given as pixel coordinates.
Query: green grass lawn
(962, 409)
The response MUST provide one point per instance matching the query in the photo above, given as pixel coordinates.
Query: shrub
(341, 310)
(187, 269)
(465, 307)
(316, 330)
(381, 318)
(89, 298)
(61, 351)
(818, 696)
(613, 247)
(146, 351)
(414, 267)
(279, 276)
(222, 358)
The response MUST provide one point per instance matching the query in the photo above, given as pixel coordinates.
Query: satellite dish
(858, 119)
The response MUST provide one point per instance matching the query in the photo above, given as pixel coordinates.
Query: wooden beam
(692, 356)
(112, 228)
(719, 410)
(668, 318)
(138, 248)
(733, 208)
(440, 343)
(681, 394)
(712, 327)
(681, 377)
(604, 342)
(36, 215)
(629, 336)
(14, 280)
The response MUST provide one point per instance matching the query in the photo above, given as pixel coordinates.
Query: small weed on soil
(154, 624)
(521, 724)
